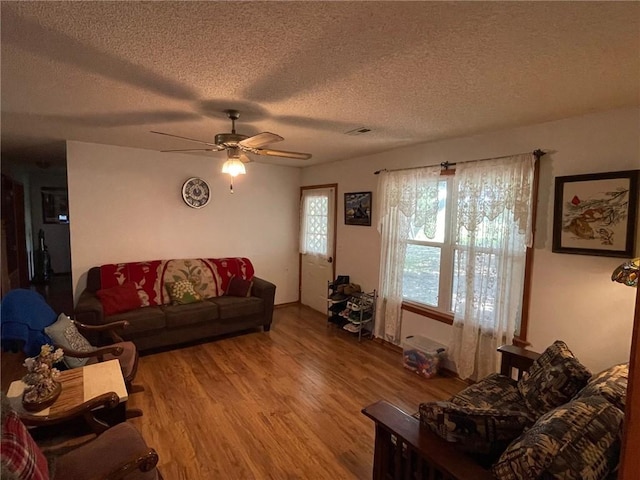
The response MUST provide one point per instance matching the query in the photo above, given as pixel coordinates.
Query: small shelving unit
(355, 313)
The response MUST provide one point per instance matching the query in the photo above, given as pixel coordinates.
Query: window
(316, 228)
(427, 267)
(454, 248)
(432, 266)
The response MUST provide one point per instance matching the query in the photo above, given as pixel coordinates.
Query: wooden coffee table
(78, 386)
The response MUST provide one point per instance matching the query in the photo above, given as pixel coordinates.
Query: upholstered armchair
(125, 352)
(78, 352)
(119, 452)
(28, 322)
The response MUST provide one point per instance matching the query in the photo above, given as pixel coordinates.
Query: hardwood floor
(279, 405)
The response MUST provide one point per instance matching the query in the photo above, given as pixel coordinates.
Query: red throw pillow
(239, 287)
(20, 454)
(119, 299)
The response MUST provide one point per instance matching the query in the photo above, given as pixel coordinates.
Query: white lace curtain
(406, 198)
(493, 226)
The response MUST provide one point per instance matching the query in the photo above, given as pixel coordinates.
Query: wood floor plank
(282, 405)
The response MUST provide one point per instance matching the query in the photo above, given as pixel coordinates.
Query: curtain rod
(537, 153)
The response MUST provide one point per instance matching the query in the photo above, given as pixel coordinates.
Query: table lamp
(627, 273)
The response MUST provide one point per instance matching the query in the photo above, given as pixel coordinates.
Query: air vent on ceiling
(358, 131)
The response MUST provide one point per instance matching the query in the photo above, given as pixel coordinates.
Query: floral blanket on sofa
(210, 276)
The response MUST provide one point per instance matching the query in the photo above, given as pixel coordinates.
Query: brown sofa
(158, 322)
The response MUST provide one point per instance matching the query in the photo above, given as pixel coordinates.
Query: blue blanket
(24, 314)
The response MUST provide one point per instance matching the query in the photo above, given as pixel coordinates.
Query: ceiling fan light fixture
(234, 167)
(235, 144)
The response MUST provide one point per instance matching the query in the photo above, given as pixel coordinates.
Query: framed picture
(357, 208)
(595, 214)
(55, 205)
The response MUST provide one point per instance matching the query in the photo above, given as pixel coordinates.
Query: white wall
(126, 205)
(573, 298)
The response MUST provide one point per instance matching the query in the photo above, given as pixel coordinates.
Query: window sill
(428, 312)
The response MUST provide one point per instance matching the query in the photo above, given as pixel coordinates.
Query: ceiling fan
(235, 143)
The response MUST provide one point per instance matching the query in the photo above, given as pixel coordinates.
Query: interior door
(317, 244)
(13, 220)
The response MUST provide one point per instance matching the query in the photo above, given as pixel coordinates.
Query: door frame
(335, 231)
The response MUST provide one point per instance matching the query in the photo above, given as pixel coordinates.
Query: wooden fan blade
(192, 150)
(216, 147)
(260, 140)
(281, 153)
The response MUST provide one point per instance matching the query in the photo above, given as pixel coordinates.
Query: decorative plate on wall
(196, 192)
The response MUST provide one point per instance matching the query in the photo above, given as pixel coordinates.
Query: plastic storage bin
(422, 355)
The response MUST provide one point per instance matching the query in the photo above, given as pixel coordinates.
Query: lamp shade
(234, 167)
(627, 273)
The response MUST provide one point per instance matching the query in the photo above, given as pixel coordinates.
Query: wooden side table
(78, 386)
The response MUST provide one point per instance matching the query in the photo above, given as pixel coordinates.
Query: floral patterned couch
(157, 320)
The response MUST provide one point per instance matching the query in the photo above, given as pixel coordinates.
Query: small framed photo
(357, 208)
(55, 205)
(595, 214)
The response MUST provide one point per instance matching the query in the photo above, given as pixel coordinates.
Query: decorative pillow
(119, 299)
(484, 431)
(65, 334)
(610, 384)
(553, 379)
(577, 441)
(239, 287)
(182, 292)
(21, 457)
(494, 391)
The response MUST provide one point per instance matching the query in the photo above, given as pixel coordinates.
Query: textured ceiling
(109, 72)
